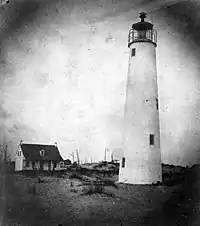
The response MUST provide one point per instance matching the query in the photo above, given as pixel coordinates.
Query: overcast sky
(63, 71)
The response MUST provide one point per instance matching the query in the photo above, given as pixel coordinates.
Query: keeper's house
(38, 157)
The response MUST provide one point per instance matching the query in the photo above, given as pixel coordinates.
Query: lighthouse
(141, 163)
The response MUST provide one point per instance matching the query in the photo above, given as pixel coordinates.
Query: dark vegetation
(182, 205)
(97, 188)
(26, 196)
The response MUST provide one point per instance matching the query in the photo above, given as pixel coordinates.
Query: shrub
(94, 188)
(59, 175)
(41, 180)
(76, 176)
(31, 189)
(75, 164)
(108, 182)
(97, 188)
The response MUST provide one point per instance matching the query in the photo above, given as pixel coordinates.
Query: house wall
(19, 157)
(46, 166)
(30, 167)
(25, 167)
(37, 166)
(60, 166)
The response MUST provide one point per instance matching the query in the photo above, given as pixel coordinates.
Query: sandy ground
(63, 201)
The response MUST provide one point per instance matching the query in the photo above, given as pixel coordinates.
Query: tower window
(123, 162)
(152, 141)
(157, 103)
(133, 52)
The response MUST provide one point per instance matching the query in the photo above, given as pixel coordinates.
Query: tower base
(140, 176)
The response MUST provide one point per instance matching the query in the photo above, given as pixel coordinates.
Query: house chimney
(56, 144)
(21, 142)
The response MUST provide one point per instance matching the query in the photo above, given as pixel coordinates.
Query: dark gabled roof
(31, 152)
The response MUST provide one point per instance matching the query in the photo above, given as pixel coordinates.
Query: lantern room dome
(142, 25)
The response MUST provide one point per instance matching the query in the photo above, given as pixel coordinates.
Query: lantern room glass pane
(142, 35)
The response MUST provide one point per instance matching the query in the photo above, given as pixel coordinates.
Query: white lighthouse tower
(141, 163)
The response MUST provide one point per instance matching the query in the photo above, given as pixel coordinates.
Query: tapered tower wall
(141, 163)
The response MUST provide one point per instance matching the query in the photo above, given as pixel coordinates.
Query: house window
(157, 103)
(151, 139)
(133, 52)
(27, 164)
(123, 162)
(61, 164)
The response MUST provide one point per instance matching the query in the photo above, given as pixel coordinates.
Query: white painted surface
(19, 159)
(20, 164)
(142, 161)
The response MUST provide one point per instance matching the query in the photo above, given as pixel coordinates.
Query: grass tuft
(108, 182)
(94, 188)
(73, 190)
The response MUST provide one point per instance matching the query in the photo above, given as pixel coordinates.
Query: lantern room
(142, 32)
